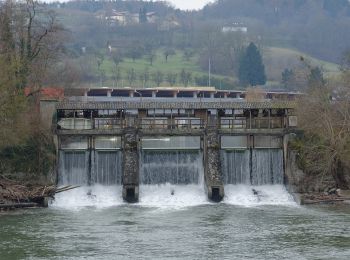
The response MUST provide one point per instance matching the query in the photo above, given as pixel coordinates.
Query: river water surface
(179, 226)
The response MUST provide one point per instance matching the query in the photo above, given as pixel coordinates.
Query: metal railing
(226, 123)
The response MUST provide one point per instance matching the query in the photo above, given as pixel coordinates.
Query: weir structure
(172, 136)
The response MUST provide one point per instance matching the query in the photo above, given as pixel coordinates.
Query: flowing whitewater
(172, 179)
(254, 177)
(251, 196)
(102, 170)
(97, 196)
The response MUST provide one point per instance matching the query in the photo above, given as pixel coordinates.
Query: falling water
(254, 177)
(174, 167)
(259, 167)
(267, 166)
(73, 168)
(107, 168)
(236, 167)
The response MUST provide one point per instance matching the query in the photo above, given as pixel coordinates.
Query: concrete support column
(212, 166)
(212, 95)
(195, 94)
(109, 93)
(130, 166)
(175, 94)
(131, 94)
(154, 94)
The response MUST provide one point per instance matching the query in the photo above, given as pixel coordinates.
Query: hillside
(283, 30)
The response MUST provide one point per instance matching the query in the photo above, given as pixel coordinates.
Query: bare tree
(168, 52)
(324, 115)
(131, 76)
(158, 77)
(171, 78)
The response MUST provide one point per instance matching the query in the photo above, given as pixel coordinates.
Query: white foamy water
(172, 196)
(94, 196)
(243, 195)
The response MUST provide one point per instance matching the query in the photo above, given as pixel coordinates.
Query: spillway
(73, 168)
(173, 167)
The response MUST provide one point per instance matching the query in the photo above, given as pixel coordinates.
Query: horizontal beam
(175, 105)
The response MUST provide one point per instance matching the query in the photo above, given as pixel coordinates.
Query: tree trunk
(338, 175)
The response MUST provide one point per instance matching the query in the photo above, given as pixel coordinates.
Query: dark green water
(201, 232)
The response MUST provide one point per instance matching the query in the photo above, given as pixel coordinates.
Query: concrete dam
(187, 137)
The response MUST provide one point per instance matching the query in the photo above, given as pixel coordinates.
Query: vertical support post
(250, 119)
(90, 151)
(131, 165)
(212, 166)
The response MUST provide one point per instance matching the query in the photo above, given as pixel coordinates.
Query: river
(182, 225)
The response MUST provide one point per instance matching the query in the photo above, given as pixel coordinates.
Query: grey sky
(189, 4)
(182, 4)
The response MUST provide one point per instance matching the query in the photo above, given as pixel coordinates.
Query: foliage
(252, 69)
(324, 115)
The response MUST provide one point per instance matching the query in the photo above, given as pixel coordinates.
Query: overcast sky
(182, 4)
(189, 4)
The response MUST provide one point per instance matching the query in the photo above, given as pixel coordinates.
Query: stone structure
(214, 123)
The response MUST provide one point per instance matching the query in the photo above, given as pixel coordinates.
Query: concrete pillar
(109, 93)
(225, 95)
(212, 166)
(130, 166)
(175, 94)
(212, 95)
(195, 94)
(131, 94)
(154, 94)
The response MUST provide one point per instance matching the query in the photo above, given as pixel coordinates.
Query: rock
(332, 191)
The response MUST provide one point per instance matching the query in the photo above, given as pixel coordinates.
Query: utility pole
(209, 72)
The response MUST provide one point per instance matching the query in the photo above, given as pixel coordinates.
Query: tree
(131, 76)
(143, 15)
(188, 54)
(151, 56)
(185, 77)
(316, 77)
(324, 116)
(117, 58)
(158, 77)
(251, 68)
(288, 78)
(167, 53)
(144, 77)
(171, 78)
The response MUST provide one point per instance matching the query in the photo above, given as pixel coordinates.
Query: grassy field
(175, 64)
(275, 59)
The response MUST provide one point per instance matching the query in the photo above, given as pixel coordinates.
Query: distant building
(235, 27)
(124, 18)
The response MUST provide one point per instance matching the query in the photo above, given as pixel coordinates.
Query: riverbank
(24, 194)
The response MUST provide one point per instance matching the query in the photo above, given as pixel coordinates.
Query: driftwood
(18, 195)
(320, 198)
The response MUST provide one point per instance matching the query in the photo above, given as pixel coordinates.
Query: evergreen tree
(251, 68)
(143, 15)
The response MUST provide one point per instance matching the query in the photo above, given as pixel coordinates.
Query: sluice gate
(147, 141)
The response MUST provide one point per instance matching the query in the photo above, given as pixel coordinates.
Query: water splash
(97, 196)
(251, 196)
(172, 196)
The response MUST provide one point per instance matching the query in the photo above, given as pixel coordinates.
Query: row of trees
(30, 43)
(324, 116)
